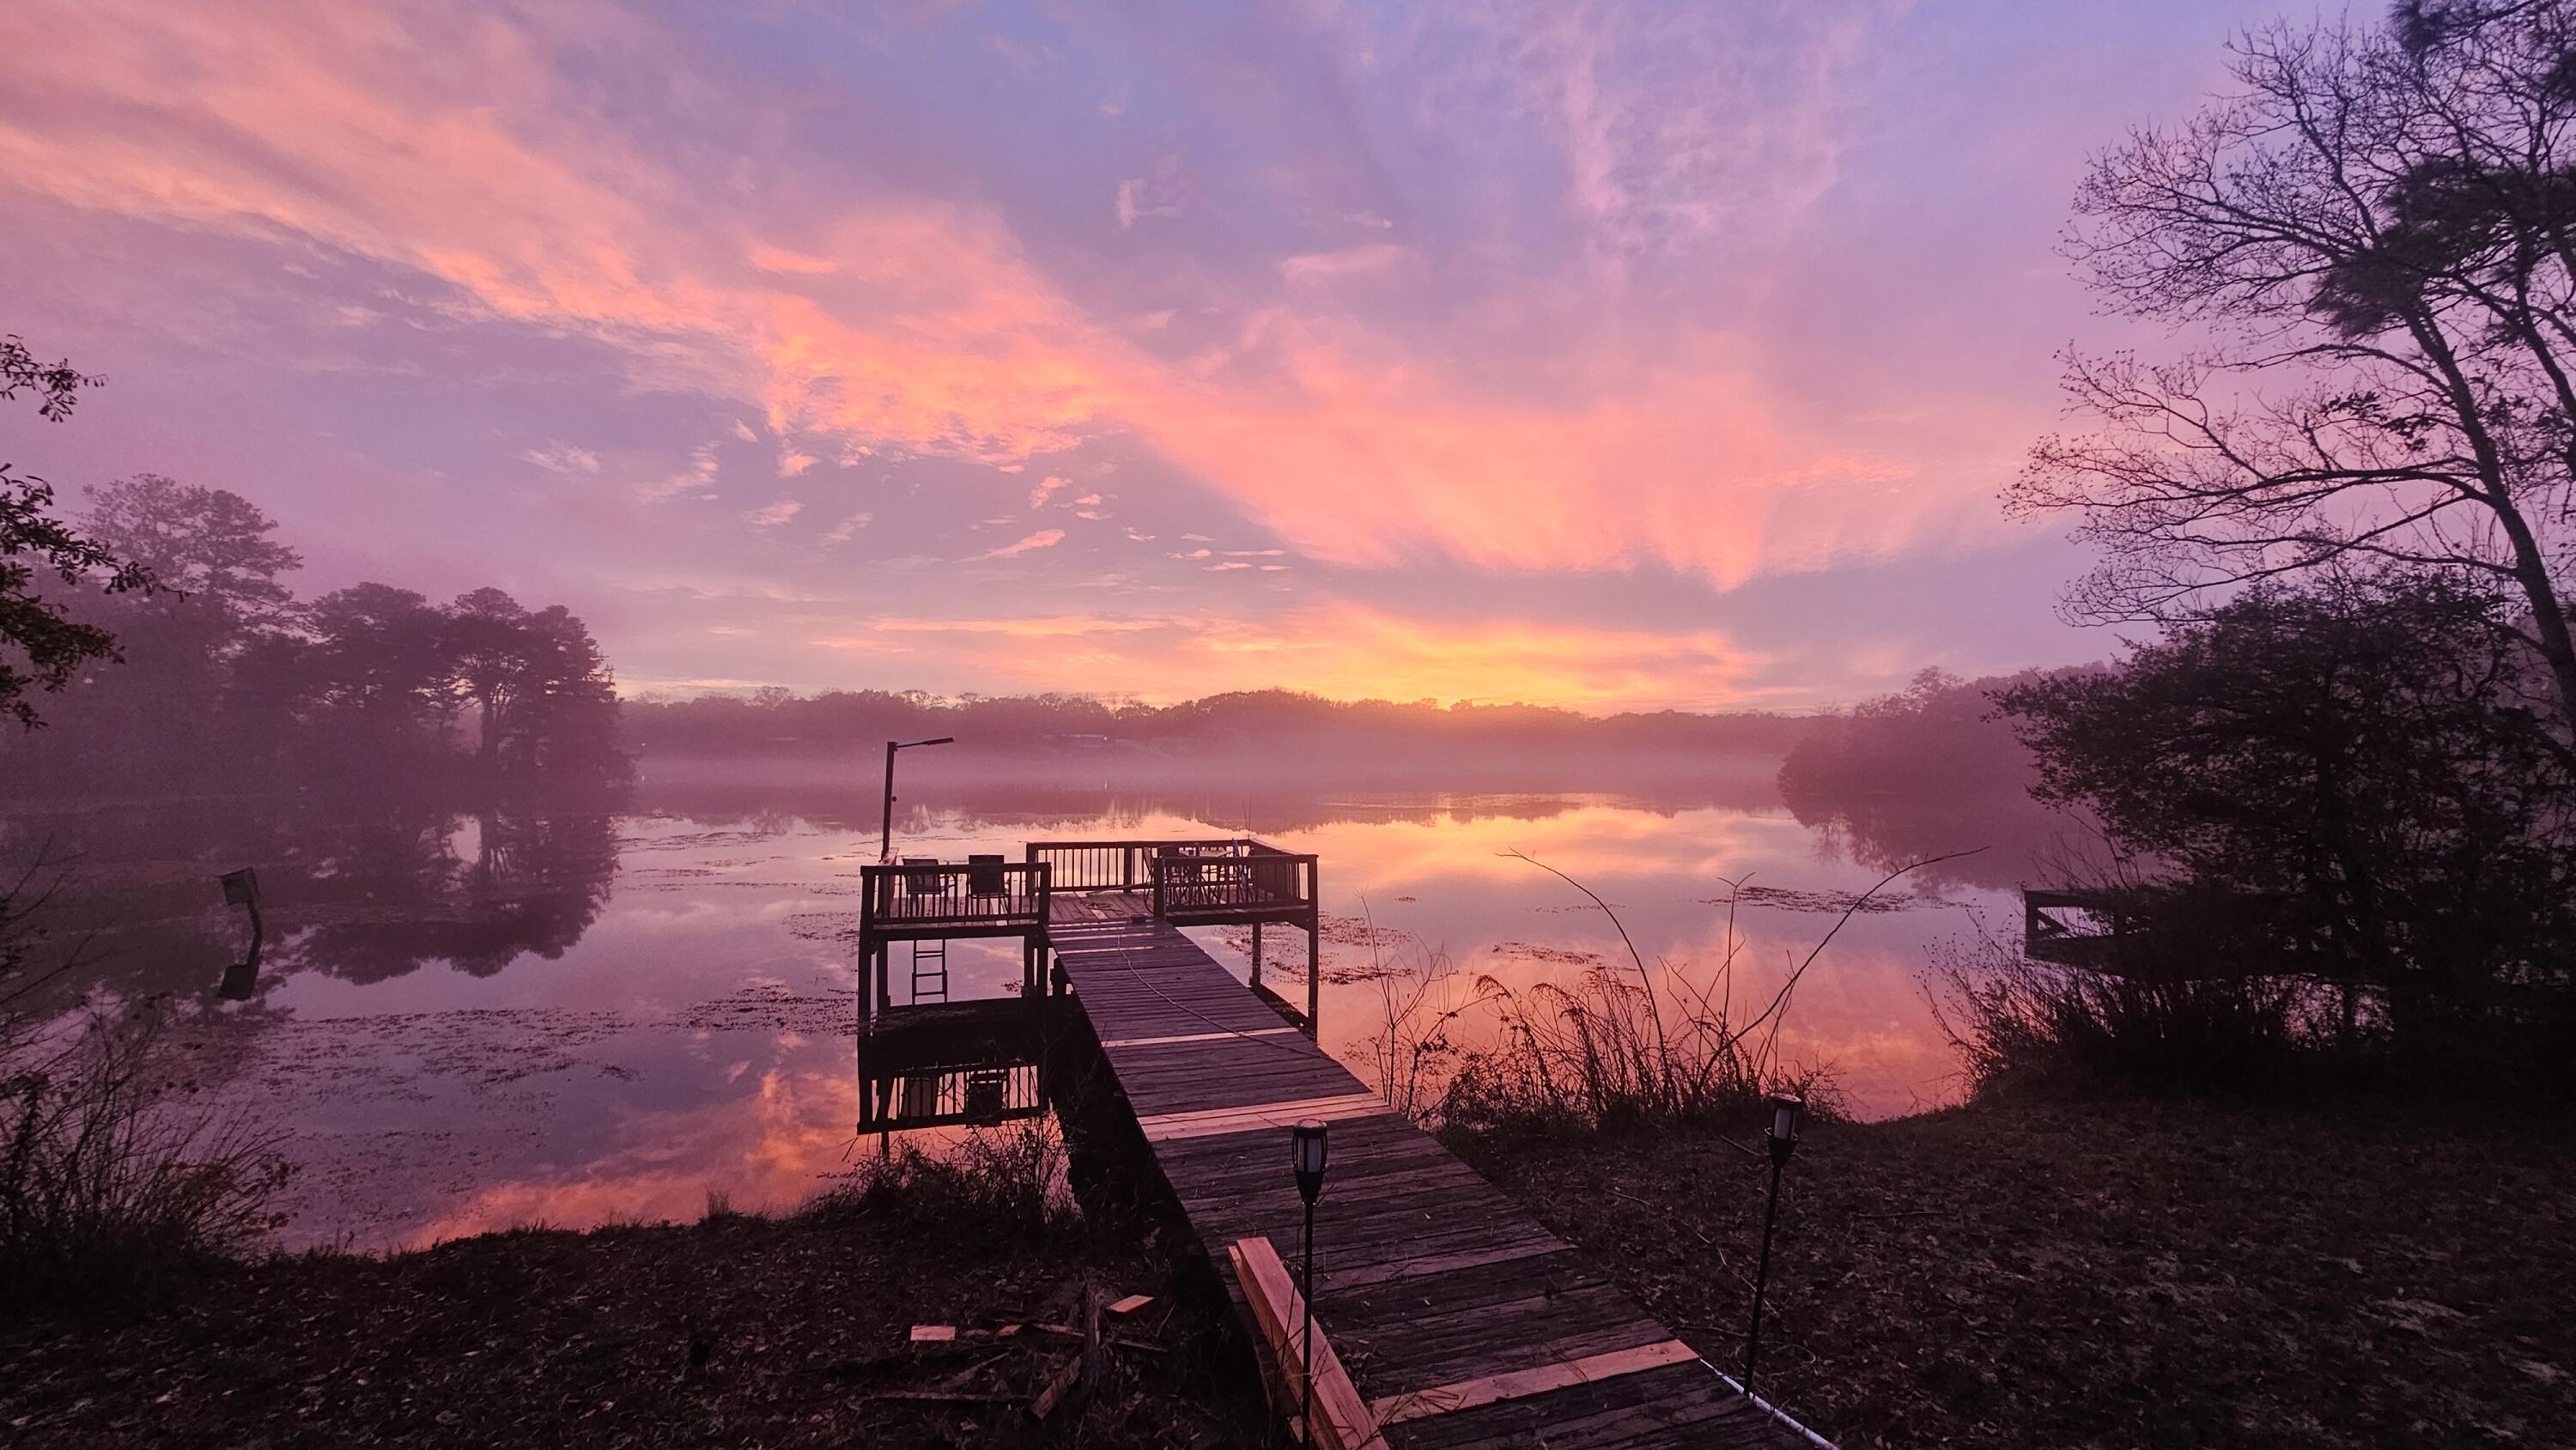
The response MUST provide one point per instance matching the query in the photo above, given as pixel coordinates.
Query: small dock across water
(1459, 1320)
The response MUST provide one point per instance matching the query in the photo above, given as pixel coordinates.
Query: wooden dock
(1459, 1320)
(1432, 1286)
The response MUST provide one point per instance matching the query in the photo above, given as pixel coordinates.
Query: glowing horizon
(1603, 359)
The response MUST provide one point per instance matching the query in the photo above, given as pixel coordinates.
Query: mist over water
(469, 1018)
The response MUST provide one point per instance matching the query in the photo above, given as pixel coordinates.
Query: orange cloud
(1339, 649)
(448, 143)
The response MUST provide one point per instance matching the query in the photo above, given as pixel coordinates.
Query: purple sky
(1607, 356)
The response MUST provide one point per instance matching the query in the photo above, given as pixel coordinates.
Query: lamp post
(885, 832)
(1308, 1150)
(1786, 1112)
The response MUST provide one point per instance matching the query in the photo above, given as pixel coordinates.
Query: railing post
(1314, 954)
(1155, 864)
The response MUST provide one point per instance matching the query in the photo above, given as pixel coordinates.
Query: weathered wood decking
(1440, 1296)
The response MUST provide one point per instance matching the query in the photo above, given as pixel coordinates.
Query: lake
(468, 1020)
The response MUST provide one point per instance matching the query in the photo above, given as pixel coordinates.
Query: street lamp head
(1787, 1113)
(942, 740)
(241, 888)
(1308, 1151)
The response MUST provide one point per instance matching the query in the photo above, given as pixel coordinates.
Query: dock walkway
(1444, 1301)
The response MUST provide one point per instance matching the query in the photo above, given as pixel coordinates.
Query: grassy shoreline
(2108, 1273)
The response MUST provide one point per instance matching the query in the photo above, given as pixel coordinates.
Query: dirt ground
(2114, 1275)
(735, 1331)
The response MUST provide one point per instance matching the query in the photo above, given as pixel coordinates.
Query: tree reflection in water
(360, 890)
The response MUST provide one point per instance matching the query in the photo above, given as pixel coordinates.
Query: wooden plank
(1520, 1384)
(1342, 1418)
(1163, 1127)
(1196, 1037)
(1682, 1404)
(1440, 1300)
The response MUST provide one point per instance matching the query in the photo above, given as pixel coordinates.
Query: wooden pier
(1458, 1320)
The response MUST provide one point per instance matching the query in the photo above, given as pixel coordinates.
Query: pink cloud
(1042, 539)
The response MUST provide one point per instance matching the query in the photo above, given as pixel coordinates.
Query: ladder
(929, 971)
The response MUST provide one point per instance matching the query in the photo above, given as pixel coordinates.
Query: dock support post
(1314, 949)
(1314, 976)
(1256, 954)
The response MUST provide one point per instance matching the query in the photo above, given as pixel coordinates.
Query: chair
(984, 876)
(929, 958)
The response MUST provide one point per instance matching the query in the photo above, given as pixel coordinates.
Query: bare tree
(2370, 239)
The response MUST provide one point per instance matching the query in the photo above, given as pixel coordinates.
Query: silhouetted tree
(378, 666)
(2373, 233)
(207, 549)
(42, 645)
(563, 718)
(486, 630)
(2356, 755)
(217, 569)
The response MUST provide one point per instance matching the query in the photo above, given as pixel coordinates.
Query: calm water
(466, 1021)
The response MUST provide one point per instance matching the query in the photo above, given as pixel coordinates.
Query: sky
(1609, 356)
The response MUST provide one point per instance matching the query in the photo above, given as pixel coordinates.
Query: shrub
(109, 1183)
(996, 1181)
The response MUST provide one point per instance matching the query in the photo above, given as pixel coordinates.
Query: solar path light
(1308, 1151)
(1786, 1114)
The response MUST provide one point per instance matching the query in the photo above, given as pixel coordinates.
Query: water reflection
(361, 890)
(474, 1017)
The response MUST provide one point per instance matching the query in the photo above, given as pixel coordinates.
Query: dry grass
(1621, 1044)
(111, 1181)
(2113, 1275)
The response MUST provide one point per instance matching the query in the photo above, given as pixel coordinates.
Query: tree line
(776, 721)
(175, 657)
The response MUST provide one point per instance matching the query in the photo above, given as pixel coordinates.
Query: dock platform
(1459, 1319)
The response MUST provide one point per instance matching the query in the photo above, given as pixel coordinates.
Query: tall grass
(110, 1180)
(1007, 1182)
(1623, 1044)
(1414, 1048)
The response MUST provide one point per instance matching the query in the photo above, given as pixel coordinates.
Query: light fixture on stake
(1308, 1151)
(1786, 1114)
(885, 833)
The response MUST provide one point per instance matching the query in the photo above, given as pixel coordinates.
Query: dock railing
(1118, 865)
(1225, 881)
(1266, 881)
(938, 900)
(992, 897)
(2067, 927)
(944, 1095)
